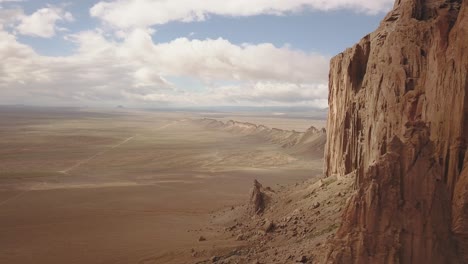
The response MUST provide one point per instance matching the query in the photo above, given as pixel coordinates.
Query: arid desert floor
(94, 186)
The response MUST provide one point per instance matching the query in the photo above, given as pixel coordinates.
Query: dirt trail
(84, 161)
(80, 163)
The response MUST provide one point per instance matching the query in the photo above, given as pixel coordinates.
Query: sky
(176, 53)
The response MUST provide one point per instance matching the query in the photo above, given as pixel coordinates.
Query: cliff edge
(398, 121)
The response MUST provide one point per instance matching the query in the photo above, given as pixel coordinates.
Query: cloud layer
(126, 14)
(42, 23)
(137, 70)
(120, 63)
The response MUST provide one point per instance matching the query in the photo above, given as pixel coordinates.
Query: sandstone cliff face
(398, 120)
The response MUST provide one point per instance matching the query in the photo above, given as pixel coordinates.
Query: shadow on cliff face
(398, 119)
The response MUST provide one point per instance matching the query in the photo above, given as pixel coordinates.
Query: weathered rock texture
(398, 119)
(258, 199)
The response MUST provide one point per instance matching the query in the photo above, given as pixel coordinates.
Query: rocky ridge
(291, 227)
(398, 121)
(311, 142)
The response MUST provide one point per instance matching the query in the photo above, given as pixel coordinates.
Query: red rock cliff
(398, 121)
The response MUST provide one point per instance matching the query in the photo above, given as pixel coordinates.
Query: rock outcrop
(258, 199)
(398, 121)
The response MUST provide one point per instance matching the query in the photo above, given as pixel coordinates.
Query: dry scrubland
(125, 187)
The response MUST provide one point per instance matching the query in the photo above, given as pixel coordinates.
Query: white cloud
(143, 13)
(246, 94)
(42, 23)
(147, 77)
(136, 70)
(19, 63)
(271, 93)
(218, 59)
(208, 60)
(10, 16)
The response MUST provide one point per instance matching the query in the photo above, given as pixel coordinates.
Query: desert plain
(128, 186)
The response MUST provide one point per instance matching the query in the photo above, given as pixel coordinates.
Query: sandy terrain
(124, 187)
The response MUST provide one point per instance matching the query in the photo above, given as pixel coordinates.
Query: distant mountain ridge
(310, 142)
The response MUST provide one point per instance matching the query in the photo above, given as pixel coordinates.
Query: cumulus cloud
(10, 16)
(43, 22)
(214, 59)
(144, 13)
(272, 93)
(19, 64)
(137, 70)
(246, 94)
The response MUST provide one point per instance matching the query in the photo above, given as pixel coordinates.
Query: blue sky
(173, 52)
